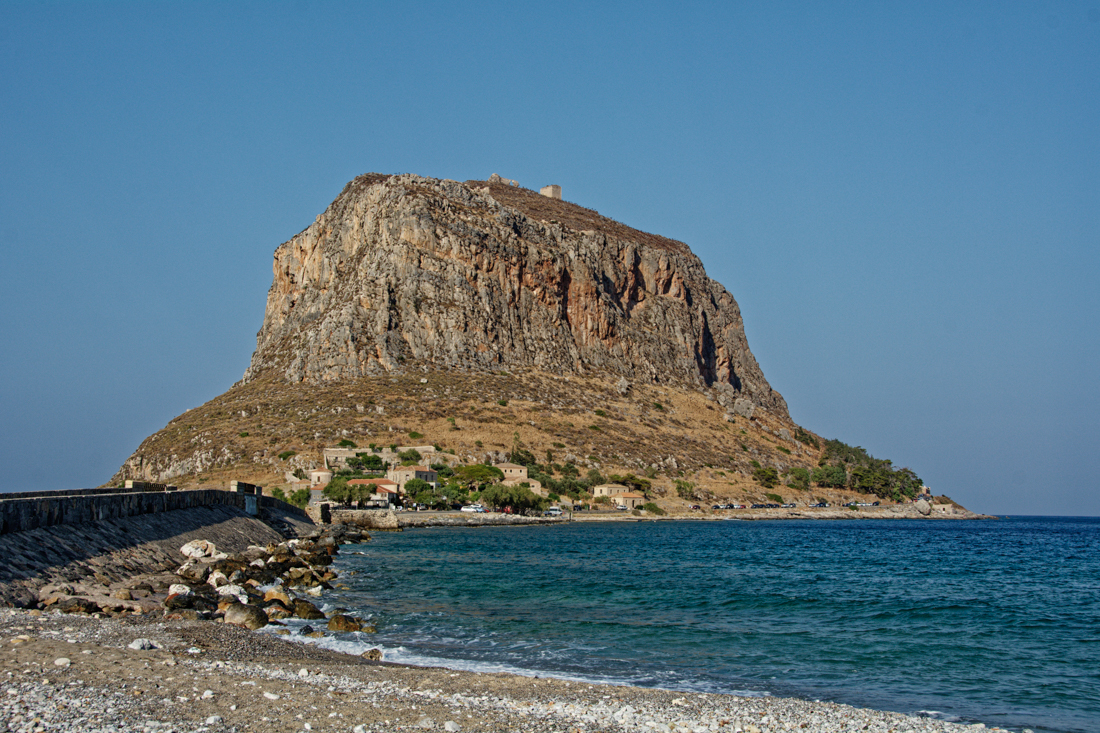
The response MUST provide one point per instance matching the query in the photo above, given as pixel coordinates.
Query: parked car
(695, 506)
(475, 508)
(554, 511)
(719, 506)
(788, 506)
(621, 507)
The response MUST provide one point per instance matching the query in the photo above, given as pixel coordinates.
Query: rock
(373, 654)
(281, 596)
(305, 630)
(622, 387)
(344, 624)
(229, 589)
(250, 617)
(217, 579)
(451, 727)
(198, 548)
(179, 589)
(306, 610)
(743, 407)
(123, 594)
(591, 296)
(924, 507)
(276, 611)
(195, 572)
(62, 662)
(143, 644)
(785, 434)
(271, 696)
(78, 605)
(213, 719)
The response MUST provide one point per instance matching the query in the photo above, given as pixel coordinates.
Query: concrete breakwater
(88, 542)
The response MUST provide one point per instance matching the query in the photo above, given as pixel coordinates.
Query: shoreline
(388, 520)
(78, 673)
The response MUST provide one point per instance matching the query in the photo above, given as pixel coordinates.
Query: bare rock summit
(405, 272)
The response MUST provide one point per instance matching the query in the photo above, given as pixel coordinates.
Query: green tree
(410, 457)
(477, 475)
(345, 443)
(299, 498)
(415, 485)
(766, 477)
(798, 478)
(338, 490)
(521, 500)
(371, 462)
(832, 477)
(684, 489)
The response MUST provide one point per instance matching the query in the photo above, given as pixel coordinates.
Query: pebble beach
(63, 672)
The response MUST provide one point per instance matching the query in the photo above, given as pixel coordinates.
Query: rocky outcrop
(403, 272)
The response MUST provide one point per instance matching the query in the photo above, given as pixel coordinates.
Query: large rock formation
(404, 272)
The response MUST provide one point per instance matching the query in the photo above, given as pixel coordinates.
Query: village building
(378, 483)
(512, 471)
(320, 477)
(516, 475)
(608, 490)
(404, 474)
(629, 499)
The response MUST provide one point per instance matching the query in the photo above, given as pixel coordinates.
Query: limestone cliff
(403, 273)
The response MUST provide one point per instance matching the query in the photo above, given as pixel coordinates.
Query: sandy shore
(73, 673)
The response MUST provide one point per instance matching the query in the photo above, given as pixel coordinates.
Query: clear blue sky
(903, 198)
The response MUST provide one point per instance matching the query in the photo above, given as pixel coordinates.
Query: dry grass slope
(668, 432)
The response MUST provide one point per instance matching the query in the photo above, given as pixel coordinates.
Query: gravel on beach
(74, 673)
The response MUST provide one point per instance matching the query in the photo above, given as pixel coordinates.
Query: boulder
(344, 624)
(373, 654)
(304, 609)
(250, 617)
(276, 610)
(195, 572)
(198, 548)
(78, 605)
(277, 594)
(924, 507)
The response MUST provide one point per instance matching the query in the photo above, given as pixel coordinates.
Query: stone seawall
(94, 540)
(18, 514)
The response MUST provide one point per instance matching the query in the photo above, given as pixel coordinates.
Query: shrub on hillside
(766, 477)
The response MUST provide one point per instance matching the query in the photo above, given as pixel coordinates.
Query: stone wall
(19, 513)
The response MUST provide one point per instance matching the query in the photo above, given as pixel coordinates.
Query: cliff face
(403, 272)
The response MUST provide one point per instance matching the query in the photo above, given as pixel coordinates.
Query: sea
(991, 621)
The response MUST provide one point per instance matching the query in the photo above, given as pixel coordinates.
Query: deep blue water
(991, 621)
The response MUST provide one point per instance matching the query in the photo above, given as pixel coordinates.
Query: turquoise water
(994, 621)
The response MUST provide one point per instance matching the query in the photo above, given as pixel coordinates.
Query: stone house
(378, 483)
(320, 476)
(401, 475)
(629, 499)
(513, 471)
(608, 490)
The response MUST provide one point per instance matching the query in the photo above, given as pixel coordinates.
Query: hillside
(482, 316)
